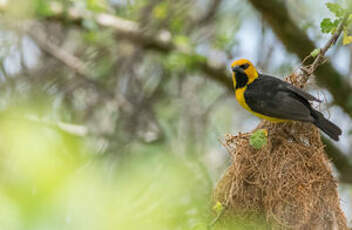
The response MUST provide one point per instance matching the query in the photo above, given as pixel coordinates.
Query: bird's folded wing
(302, 93)
(282, 85)
(278, 104)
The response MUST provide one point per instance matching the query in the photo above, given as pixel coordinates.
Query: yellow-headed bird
(276, 100)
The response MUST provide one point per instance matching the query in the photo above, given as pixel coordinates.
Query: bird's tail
(326, 126)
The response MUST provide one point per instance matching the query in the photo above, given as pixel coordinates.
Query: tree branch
(66, 58)
(161, 42)
(73, 63)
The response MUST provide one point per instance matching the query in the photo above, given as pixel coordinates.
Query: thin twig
(308, 71)
(60, 54)
(330, 43)
(216, 219)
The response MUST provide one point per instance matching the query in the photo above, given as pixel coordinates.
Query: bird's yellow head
(243, 73)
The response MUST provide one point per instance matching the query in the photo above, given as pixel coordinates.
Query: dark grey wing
(266, 96)
(302, 93)
(287, 86)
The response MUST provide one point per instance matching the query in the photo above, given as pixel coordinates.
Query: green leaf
(336, 9)
(315, 52)
(259, 138)
(181, 40)
(161, 11)
(328, 26)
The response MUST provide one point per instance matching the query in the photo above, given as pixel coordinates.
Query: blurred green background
(112, 112)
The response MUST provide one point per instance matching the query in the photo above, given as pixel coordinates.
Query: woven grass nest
(288, 182)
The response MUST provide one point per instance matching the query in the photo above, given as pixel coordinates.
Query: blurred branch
(60, 54)
(74, 63)
(211, 12)
(72, 129)
(340, 160)
(162, 41)
(264, 55)
(297, 41)
(145, 14)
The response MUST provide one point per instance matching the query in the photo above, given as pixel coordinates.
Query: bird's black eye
(244, 66)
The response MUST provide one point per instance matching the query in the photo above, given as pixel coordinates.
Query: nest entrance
(289, 181)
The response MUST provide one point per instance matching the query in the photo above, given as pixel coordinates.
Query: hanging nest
(288, 182)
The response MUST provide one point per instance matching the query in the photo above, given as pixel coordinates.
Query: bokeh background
(112, 112)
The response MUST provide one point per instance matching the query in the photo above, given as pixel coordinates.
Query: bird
(273, 99)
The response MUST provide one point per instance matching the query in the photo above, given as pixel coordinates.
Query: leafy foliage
(328, 25)
(336, 9)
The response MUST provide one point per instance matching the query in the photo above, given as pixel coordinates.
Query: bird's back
(275, 98)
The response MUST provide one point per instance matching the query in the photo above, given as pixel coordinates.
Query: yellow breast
(241, 100)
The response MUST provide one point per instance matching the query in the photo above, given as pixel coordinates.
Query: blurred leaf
(349, 19)
(160, 11)
(347, 39)
(43, 8)
(177, 24)
(96, 5)
(41, 189)
(347, 32)
(336, 9)
(182, 40)
(180, 61)
(218, 207)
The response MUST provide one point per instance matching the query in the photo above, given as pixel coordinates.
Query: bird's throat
(241, 80)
